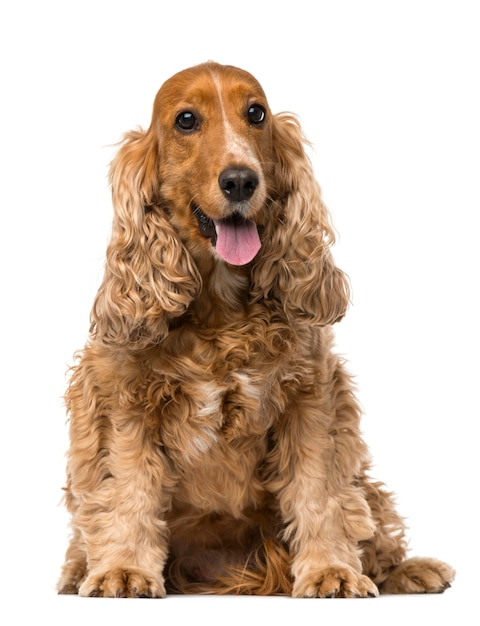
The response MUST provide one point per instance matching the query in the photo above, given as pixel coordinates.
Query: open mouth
(206, 225)
(234, 238)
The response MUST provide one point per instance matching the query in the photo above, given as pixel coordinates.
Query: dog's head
(214, 132)
(217, 178)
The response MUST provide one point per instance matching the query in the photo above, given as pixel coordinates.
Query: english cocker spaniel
(215, 441)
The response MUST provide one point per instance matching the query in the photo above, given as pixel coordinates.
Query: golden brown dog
(215, 441)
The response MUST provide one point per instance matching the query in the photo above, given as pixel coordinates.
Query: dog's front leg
(317, 454)
(118, 513)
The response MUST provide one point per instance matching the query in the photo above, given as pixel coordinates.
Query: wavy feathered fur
(215, 436)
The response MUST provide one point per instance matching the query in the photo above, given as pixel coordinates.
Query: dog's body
(215, 439)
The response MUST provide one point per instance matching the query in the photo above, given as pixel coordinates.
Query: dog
(215, 438)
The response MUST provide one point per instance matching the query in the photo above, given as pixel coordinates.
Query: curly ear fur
(149, 275)
(296, 267)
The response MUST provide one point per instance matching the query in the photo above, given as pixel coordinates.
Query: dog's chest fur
(212, 409)
(217, 445)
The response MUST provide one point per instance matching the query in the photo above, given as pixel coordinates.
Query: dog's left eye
(256, 114)
(186, 121)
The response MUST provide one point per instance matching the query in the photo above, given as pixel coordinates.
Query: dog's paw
(122, 583)
(334, 582)
(419, 575)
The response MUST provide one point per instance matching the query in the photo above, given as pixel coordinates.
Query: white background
(388, 94)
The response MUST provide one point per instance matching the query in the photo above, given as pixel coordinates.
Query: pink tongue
(237, 242)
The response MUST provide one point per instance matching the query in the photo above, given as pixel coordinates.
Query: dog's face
(214, 132)
(216, 181)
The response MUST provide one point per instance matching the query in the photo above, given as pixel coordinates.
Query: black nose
(238, 183)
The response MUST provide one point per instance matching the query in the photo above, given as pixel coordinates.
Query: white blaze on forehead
(235, 143)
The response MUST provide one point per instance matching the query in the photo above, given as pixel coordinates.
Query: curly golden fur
(215, 441)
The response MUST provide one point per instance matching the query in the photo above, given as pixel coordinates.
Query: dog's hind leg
(74, 570)
(419, 575)
(383, 556)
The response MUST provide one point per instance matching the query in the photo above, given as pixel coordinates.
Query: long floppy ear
(149, 275)
(295, 266)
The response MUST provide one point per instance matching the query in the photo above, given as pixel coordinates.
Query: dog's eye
(186, 121)
(256, 114)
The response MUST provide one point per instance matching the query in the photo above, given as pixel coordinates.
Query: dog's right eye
(186, 121)
(256, 114)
